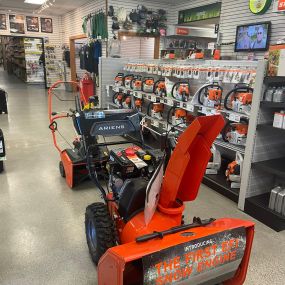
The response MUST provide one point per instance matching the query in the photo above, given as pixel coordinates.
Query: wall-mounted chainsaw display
(236, 133)
(210, 95)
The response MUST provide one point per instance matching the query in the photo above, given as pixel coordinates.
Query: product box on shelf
(276, 63)
(278, 119)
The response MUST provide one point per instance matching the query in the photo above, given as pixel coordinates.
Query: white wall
(54, 38)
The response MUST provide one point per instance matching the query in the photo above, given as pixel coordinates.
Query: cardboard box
(278, 120)
(276, 61)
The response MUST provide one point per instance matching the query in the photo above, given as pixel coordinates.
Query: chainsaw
(118, 99)
(159, 88)
(179, 117)
(148, 84)
(210, 96)
(215, 161)
(236, 133)
(136, 83)
(119, 80)
(234, 169)
(127, 80)
(181, 91)
(239, 99)
(155, 110)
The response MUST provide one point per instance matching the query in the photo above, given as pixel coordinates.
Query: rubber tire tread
(105, 229)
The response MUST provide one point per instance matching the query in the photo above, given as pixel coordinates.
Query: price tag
(188, 107)
(234, 117)
(168, 102)
(138, 95)
(153, 98)
(208, 111)
(178, 104)
(116, 89)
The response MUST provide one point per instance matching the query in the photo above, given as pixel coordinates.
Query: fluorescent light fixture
(35, 2)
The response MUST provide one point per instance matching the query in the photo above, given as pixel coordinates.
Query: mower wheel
(99, 229)
(1, 166)
(61, 169)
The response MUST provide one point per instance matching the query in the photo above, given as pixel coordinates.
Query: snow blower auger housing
(150, 244)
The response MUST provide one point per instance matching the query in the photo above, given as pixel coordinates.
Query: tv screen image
(253, 37)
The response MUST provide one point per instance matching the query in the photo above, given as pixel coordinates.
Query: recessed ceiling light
(35, 2)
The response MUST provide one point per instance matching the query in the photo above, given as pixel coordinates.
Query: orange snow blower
(138, 236)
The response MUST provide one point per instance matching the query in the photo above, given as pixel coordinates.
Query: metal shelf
(230, 146)
(268, 127)
(273, 166)
(274, 79)
(266, 104)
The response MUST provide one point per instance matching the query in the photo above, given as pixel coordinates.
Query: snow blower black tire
(99, 229)
(61, 169)
(1, 166)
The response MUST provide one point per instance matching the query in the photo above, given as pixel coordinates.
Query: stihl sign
(183, 31)
(281, 5)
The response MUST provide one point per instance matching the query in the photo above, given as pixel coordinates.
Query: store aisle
(42, 221)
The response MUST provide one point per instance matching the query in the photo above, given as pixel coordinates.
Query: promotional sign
(32, 24)
(17, 25)
(3, 24)
(279, 6)
(259, 7)
(200, 13)
(196, 261)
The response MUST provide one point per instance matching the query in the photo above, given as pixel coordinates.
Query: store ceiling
(60, 7)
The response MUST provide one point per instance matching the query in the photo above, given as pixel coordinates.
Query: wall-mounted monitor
(253, 37)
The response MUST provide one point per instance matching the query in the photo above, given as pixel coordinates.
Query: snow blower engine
(233, 172)
(155, 110)
(119, 80)
(179, 117)
(2, 151)
(159, 88)
(148, 84)
(137, 235)
(210, 96)
(181, 91)
(236, 133)
(239, 99)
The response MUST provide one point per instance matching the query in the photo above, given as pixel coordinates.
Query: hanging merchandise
(138, 104)
(66, 56)
(121, 15)
(136, 83)
(215, 161)
(127, 80)
(239, 99)
(179, 117)
(118, 99)
(159, 88)
(155, 110)
(3, 102)
(233, 172)
(127, 102)
(236, 133)
(2, 151)
(210, 96)
(114, 48)
(148, 84)
(111, 11)
(181, 91)
(134, 16)
(128, 24)
(119, 80)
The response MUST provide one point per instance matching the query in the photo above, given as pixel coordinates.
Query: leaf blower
(215, 161)
(138, 235)
(118, 99)
(234, 169)
(2, 151)
(181, 91)
(239, 99)
(136, 83)
(236, 133)
(148, 84)
(210, 96)
(119, 80)
(155, 110)
(127, 80)
(159, 88)
(179, 117)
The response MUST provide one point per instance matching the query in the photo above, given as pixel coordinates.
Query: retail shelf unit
(264, 159)
(110, 67)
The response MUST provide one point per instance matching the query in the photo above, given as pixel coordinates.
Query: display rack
(264, 160)
(110, 67)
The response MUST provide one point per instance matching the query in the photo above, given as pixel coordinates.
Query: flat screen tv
(253, 37)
